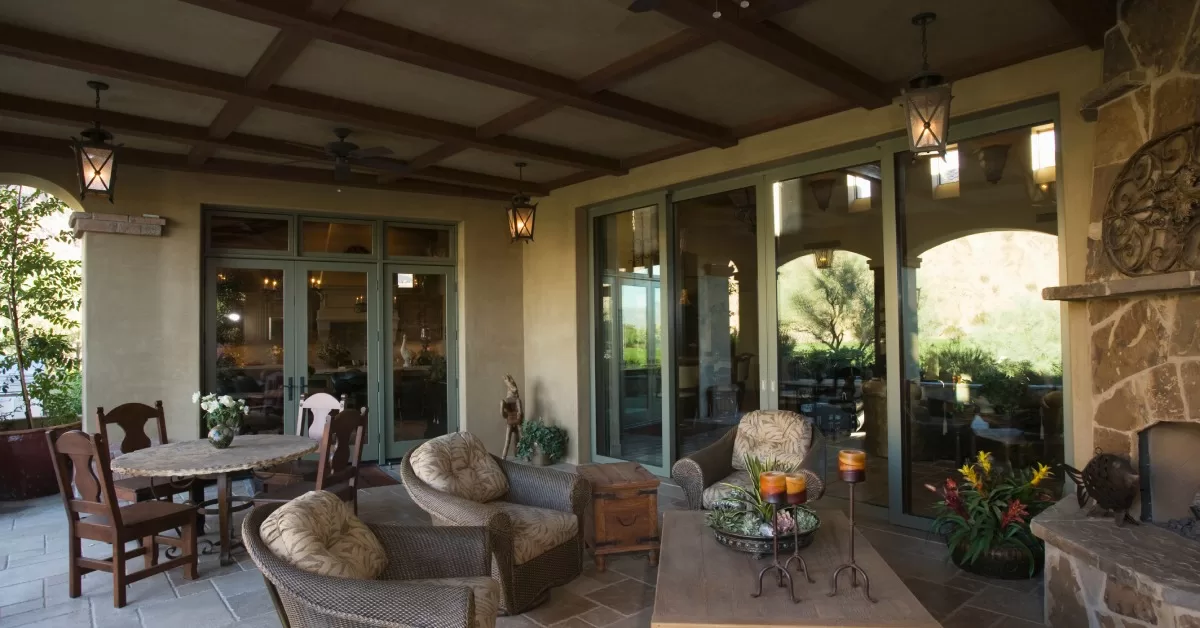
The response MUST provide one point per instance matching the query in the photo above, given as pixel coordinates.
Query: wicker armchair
(696, 473)
(303, 599)
(526, 585)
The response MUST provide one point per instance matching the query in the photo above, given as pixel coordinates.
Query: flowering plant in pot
(224, 416)
(985, 518)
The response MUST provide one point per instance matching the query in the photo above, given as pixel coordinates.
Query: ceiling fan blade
(298, 161)
(375, 151)
(387, 165)
(341, 172)
(641, 6)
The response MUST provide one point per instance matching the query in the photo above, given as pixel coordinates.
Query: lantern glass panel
(95, 168)
(520, 222)
(928, 111)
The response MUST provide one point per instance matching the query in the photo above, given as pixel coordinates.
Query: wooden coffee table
(703, 583)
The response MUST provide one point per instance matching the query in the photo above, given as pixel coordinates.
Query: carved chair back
(132, 419)
(341, 449)
(81, 459)
(319, 406)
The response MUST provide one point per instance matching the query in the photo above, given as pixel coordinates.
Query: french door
(277, 330)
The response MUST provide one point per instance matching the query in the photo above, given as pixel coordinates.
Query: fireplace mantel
(1166, 283)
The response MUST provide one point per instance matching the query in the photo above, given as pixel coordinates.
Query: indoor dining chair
(315, 411)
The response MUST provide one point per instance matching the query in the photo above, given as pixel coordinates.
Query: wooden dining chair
(82, 460)
(133, 419)
(338, 462)
(315, 411)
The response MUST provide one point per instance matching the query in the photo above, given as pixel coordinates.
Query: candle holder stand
(855, 570)
(803, 566)
(781, 573)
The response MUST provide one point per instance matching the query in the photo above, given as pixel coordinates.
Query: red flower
(953, 499)
(1016, 510)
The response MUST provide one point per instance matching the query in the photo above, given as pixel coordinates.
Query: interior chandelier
(927, 101)
(95, 155)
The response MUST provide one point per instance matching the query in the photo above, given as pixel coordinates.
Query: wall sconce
(822, 190)
(993, 159)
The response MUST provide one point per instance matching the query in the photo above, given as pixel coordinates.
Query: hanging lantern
(824, 258)
(521, 212)
(927, 101)
(95, 155)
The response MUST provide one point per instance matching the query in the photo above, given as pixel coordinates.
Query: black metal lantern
(824, 259)
(927, 101)
(521, 212)
(96, 156)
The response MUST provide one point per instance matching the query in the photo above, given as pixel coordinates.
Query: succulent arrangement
(746, 513)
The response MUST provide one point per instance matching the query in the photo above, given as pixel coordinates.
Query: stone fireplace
(1143, 305)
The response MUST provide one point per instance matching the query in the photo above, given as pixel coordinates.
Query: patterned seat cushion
(719, 492)
(772, 434)
(537, 530)
(459, 464)
(318, 533)
(487, 596)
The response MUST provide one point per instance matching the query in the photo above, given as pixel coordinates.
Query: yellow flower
(969, 474)
(985, 461)
(1040, 473)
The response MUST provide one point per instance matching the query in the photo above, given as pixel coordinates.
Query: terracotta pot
(26, 468)
(1004, 563)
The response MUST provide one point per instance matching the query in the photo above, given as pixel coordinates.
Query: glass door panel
(629, 354)
(421, 356)
(981, 351)
(716, 314)
(247, 346)
(830, 308)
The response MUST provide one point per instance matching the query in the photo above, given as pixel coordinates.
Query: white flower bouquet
(221, 410)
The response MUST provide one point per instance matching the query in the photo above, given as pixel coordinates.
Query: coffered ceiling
(458, 90)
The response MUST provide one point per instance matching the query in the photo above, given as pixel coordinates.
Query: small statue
(405, 354)
(514, 414)
(1110, 480)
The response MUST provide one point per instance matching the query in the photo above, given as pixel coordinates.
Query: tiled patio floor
(33, 587)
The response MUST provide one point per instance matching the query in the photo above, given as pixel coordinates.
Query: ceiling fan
(344, 154)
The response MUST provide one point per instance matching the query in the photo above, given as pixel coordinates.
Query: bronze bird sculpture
(1110, 480)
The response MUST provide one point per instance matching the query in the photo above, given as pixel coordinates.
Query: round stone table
(192, 458)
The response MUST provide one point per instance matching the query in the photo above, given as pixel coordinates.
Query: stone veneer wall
(1145, 350)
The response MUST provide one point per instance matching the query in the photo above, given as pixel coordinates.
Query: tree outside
(827, 316)
(39, 305)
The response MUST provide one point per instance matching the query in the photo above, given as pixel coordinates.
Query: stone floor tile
(970, 617)
(635, 566)
(252, 604)
(939, 599)
(608, 576)
(601, 616)
(241, 582)
(262, 621)
(1027, 606)
(515, 621)
(640, 620)
(186, 588)
(29, 573)
(627, 597)
(14, 544)
(59, 616)
(208, 567)
(23, 592)
(573, 622)
(21, 607)
(561, 606)
(1013, 622)
(584, 585)
(203, 610)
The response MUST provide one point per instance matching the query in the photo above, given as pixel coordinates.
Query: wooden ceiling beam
(23, 107)
(64, 52)
(408, 46)
(782, 48)
(1090, 19)
(237, 168)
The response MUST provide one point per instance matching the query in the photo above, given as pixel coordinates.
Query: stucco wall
(556, 317)
(142, 295)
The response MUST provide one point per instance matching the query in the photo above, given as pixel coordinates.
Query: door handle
(289, 386)
(303, 386)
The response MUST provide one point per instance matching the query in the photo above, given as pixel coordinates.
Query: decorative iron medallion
(1152, 219)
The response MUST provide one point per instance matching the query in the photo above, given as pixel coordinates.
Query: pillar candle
(772, 485)
(852, 465)
(797, 489)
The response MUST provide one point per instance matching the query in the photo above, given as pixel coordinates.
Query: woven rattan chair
(713, 464)
(306, 600)
(526, 585)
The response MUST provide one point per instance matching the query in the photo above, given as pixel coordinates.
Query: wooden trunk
(624, 512)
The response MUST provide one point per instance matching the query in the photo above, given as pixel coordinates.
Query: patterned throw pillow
(318, 533)
(459, 464)
(772, 434)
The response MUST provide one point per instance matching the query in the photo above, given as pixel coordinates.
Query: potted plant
(224, 415)
(985, 518)
(744, 522)
(541, 444)
(38, 340)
